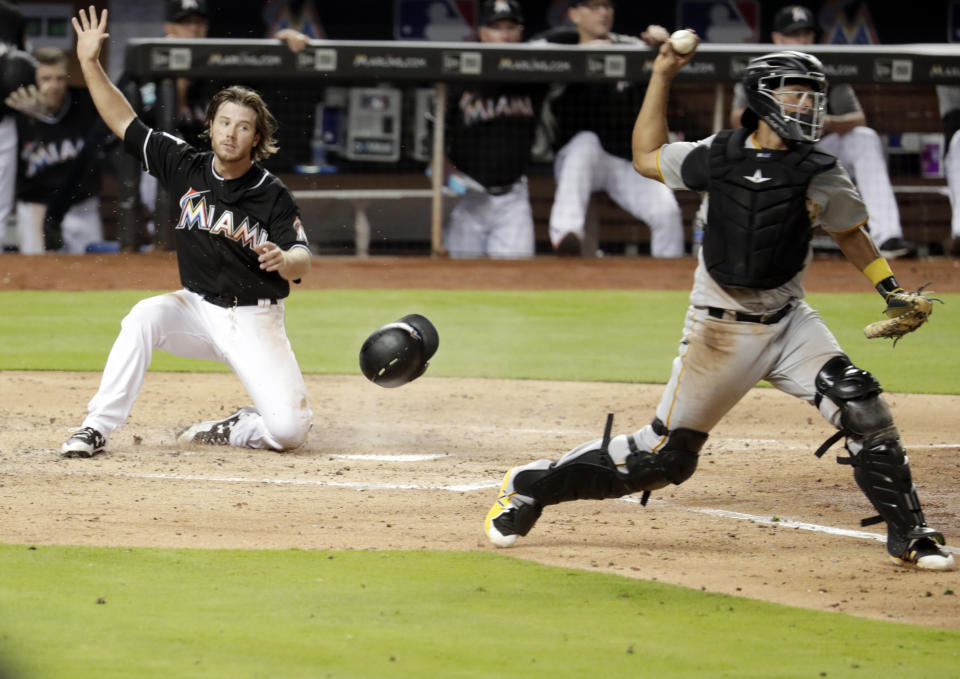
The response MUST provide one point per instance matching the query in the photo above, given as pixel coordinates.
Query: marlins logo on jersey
(39, 155)
(195, 214)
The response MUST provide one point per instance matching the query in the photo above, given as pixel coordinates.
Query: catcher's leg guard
(880, 466)
(590, 473)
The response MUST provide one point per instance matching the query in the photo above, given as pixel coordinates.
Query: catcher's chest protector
(758, 230)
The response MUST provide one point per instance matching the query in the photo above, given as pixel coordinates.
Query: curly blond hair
(266, 125)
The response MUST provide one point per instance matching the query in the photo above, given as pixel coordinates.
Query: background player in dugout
(60, 141)
(846, 136)
(747, 320)
(239, 242)
(489, 129)
(591, 125)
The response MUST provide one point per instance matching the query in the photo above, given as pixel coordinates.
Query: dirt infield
(417, 468)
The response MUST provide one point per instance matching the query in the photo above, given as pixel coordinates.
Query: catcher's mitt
(907, 312)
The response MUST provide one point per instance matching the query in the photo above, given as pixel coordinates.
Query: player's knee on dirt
(593, 475)
(290, 431)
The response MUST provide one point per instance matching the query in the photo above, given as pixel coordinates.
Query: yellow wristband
(877, 270)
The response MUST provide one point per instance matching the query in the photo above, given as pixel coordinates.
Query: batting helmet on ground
(398, 352)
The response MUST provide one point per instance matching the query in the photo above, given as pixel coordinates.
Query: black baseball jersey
(490, 130)
(220, 219)
(48, 149)
(607, 109)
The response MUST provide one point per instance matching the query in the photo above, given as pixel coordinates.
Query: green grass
(626, 336)
(238, 614)
(196, 613)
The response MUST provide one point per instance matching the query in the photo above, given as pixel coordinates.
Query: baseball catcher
(767, 186)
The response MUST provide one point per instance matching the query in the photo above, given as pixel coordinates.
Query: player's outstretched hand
(91, 33)
(28, 100)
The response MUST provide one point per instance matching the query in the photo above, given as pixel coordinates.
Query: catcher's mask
(768, 76)
(398, 352)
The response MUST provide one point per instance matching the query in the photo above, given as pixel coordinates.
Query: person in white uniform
(747, 320)
(846, 136)
(239, 242)
(590, 125)
(489, 130)
(12, 41)
(948, 97)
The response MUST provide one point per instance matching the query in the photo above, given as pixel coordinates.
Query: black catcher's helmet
(398, 352)
(770, 72)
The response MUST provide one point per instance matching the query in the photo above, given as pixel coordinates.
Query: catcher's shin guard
(589, 472)
(880, 468)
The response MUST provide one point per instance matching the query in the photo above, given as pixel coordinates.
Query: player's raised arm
(110, 102)
(650, 131)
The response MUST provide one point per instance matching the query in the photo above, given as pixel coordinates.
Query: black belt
(228, 301)
(766, 319)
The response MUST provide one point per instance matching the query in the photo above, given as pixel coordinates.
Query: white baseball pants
(8, 167)
(860, 151)
(81, 226)
(483, 225)
(583, 167)
(251, 340)
(952, 170)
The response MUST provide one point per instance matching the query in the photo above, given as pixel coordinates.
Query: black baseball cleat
(569, 245)
(85, 442)
(925, 554)
(214, 432)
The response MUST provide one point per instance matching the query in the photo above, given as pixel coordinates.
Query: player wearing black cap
(490, 127)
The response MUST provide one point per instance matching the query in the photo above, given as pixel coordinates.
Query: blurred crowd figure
(846, 136)
(590, 126)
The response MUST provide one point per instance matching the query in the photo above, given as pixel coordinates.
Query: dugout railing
(894, 83)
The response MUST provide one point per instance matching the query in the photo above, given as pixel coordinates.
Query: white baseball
(683, 41)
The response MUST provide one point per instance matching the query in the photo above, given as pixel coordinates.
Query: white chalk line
(390, 458)
(356, 485)
(486, 485)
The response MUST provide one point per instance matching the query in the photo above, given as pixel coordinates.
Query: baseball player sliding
(747, 320)
(239, 242)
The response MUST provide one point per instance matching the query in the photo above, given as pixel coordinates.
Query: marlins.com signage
(533, 65)
(388, 61)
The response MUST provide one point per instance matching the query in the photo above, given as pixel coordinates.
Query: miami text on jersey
(194, 213)
(40, 155)
(477, 109)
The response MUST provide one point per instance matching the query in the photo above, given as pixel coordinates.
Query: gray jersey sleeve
(672, 157)
(834, 202)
